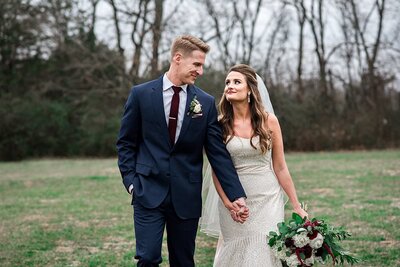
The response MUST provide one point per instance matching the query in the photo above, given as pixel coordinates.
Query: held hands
(238, 210)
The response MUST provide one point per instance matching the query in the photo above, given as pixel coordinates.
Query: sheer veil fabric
(209, 222)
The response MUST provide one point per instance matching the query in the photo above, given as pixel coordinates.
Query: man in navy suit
(165, 127)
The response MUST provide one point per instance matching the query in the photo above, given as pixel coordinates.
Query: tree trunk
(117, 28)
(157, 31)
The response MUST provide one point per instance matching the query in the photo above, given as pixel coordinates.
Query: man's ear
(177, 57)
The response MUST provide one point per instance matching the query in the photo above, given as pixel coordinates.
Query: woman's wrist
(296, 205)
(227, 204)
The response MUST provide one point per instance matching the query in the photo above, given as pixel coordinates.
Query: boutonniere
(195, 108)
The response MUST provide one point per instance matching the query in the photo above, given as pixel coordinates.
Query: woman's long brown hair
(257, 111)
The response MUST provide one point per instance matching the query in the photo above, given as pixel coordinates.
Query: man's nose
(200, 70)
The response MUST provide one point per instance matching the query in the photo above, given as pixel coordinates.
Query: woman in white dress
(254, 140)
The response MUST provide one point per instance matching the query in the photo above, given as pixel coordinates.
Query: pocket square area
(197, 115)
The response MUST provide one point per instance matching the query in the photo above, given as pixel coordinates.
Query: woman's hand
(238, 214)
(300, 211)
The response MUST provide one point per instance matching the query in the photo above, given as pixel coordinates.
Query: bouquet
(301, 242)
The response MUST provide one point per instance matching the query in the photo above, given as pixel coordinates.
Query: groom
(165, 127)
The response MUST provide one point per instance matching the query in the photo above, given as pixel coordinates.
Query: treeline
(63, 86)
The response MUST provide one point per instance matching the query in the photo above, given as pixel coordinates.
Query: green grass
(77, 213)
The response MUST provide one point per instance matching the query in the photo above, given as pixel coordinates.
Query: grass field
(77, 213)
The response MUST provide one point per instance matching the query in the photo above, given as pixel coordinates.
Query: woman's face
(236, 88)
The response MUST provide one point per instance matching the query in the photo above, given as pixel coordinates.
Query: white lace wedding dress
(245, 245)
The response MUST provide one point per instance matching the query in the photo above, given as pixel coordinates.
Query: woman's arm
(279, 164)
(238, 214)
(220, 191)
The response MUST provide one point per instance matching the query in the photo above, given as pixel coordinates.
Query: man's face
(190, 66)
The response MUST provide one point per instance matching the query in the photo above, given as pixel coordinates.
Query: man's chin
(191, 81)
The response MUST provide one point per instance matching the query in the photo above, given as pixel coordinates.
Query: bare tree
(234, 29)
(157, 32)
(60, 12)
(347, 31)
(248, 21)
(147, 23)
(371, 56)
(372, 82)
(91, 34)
(301, 15)
(318, 31)
(279, 36)
(141, 26)
(223, 30)
(117, 22)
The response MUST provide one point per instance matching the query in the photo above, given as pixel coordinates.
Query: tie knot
(176, 89)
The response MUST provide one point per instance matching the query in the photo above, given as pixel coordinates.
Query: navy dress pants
(149, 229)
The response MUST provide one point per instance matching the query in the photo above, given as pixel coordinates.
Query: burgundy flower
(308, 223)
(313, 234)
(312, 224)
(289, 242)
(307, 250)
(319, 252)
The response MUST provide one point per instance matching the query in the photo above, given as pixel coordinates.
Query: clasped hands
(238, 210)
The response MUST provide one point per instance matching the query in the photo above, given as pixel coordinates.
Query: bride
(254, 140)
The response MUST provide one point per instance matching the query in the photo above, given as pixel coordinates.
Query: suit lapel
(158, 108)
(187, 118)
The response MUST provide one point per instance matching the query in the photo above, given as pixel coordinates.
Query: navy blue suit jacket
(147, 159)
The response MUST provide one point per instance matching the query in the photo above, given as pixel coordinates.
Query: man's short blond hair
(186, 44)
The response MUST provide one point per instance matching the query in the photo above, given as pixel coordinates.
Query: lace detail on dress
(246, 244)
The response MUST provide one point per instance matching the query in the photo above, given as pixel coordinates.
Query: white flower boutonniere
(195, 108)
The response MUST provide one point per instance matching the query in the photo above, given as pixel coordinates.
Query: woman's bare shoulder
(272, 121)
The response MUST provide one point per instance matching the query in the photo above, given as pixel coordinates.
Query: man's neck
(173, 77)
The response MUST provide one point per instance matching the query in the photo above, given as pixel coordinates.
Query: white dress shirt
(168, 92)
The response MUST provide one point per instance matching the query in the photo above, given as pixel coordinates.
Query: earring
(248, 97)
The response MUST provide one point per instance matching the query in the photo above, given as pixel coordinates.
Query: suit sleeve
(127, 143)
(220, 158)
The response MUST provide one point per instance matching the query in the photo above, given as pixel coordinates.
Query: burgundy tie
(173, 114)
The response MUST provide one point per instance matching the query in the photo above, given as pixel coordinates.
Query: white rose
(300, 240)
(293, 261)
(317, 241)
(309, 261)
(197, 108)
(319, 259)
(280, 254)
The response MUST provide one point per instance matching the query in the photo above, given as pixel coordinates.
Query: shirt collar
(168, 84)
